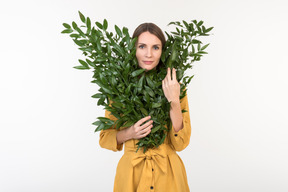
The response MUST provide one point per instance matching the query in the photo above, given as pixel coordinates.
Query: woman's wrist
(123, 136)
(128, 133)
(175, 102)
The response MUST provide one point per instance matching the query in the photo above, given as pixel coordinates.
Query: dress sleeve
(108, 137)
(180, 140)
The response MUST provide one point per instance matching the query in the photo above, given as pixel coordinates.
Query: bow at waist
(151, 158)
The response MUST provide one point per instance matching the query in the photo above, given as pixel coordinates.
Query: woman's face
(148, 50)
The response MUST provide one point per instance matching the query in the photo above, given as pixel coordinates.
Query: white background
(237, 99)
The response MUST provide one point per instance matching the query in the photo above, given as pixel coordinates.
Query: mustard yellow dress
(157, 170)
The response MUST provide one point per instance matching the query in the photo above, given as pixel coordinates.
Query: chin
(148, 67)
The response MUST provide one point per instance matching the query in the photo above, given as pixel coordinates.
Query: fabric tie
(152, 158)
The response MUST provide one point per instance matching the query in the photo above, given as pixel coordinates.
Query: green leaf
(137, 101)
(128, 89)
(156, 105)
(74, 35)
(193, 49)
(99, 25)
(100, 127)
(186, 24)
(113, 81)
(67, 31)
(80, 67)
(137, 72)
(155, 129)
(97, 123)
(105, 24)
(146, 97)
(81, 17)
(83, 63)
(101, 101)
(128, 124)
(118, 31)
(97, 95)
(150, 83)
(208, 30)
(141, 82)
(195, 41)
(80, 32)
(88, 23)
(125, 31)
(149, 91)
(171, 23)
(119, 123)
(66, 25)
(107, 90)
(74, 25)
(117, 105)
(90, 63)
(132, 43)
(79, 43)
(200, 23)
(205, 46)
(144, 111)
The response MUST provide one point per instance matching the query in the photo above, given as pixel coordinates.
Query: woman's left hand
(170, 86)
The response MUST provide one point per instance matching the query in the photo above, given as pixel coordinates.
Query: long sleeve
(108, 137)
(180, 140)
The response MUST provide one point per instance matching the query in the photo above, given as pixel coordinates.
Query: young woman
(159, 169)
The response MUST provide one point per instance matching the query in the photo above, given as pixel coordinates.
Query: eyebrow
(145, 44)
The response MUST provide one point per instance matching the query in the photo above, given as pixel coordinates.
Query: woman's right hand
(137, 131)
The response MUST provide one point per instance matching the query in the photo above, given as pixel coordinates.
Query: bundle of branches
(127, 91)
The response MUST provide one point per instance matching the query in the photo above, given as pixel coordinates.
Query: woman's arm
(171, 89)
(176, 115)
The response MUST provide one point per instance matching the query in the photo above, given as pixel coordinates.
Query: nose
(148, 53)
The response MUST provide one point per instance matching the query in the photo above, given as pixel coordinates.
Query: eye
(141, 46)
(156, 47)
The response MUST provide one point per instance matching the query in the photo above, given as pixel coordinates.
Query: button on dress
(157, 170)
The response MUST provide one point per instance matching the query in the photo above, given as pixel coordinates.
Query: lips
(148, 62)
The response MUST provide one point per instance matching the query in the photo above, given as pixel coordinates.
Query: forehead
(149, 38)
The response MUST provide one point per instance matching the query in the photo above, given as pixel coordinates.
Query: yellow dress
(157, 170)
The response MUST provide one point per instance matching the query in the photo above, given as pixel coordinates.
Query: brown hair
(153, 29)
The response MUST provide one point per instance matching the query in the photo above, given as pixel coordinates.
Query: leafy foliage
(126, 90)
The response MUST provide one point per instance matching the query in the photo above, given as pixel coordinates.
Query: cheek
(138, 54)
(159, 54)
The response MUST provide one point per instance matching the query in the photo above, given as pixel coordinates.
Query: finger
(147, 129)
(163, 84)
(147, 133)
(174, 74)
(167, 79)
(146, 124)
(169, 73)
(143, 120)
(143, 135)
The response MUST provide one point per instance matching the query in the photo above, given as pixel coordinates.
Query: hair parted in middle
(151, 28)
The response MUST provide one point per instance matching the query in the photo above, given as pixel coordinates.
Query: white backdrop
(237, 99)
